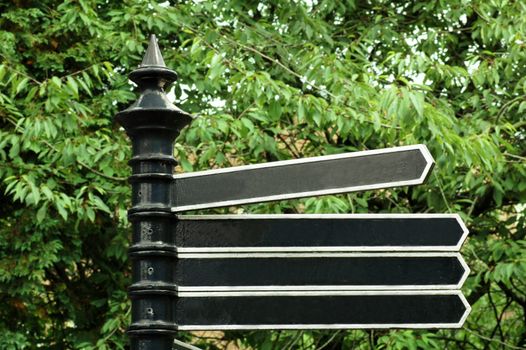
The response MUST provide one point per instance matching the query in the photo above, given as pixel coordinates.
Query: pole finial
(153, 67)
(153, 56)
(152, 78)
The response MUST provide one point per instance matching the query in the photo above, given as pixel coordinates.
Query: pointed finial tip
(153, 66)
(153, 56)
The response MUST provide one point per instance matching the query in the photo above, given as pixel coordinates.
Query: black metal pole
(152, 123)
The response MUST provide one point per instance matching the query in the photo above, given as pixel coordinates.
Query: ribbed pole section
(152, 123)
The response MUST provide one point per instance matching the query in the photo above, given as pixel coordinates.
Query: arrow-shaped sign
(319, 233)
(348, 172)
(311, 271)
(321, 310)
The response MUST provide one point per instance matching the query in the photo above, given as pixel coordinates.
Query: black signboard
(319, 271)
(339, 173)
(321, 310)
(320, 233)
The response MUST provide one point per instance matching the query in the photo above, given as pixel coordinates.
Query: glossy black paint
(152, 123)
(318, 232)
(361, 310)
(298, 179)
(375, 270)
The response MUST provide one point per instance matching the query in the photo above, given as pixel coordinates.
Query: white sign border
(331, 326)
(455, 248)
(422, 148)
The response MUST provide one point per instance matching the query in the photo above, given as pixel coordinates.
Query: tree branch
(478, 335)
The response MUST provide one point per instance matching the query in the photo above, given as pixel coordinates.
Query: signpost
(278, 271)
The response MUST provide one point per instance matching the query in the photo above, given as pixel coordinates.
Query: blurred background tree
(268, 80)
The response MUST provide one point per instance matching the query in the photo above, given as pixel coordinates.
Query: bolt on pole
(152, 123)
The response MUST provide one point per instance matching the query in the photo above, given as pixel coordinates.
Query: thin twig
(60, 77)
(454, 340)
(493, 340)
(276, 61)
(370, 339)
(113, 178)
(303, 79)
(514, 156)
(329, 341)
(472, 207)
(508, 105)
(294, 152)
(496, 314)
(80, 71)
(246, 110)
(276, 341)
(293, 341)
(22, 73)
(442, 192)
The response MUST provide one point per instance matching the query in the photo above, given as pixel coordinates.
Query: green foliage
(269, 80)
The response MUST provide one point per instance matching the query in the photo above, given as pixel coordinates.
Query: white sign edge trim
(416, 216)
(329, 288)
(321, 293)
(423, 149)
(459, 257)
(348, 326)
(304, 249)
(317, 255)
(321, 326)
(296, 195)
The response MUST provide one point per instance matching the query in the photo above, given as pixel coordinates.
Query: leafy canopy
(269, 80)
